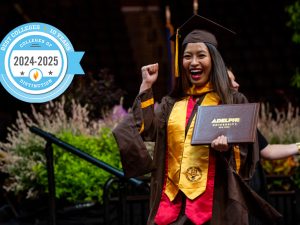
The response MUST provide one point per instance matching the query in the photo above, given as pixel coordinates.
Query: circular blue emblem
(38, 62)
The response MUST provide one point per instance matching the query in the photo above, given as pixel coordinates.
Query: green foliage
(22, 155)
(294, 14)
(280, 167)
(293, 11)
(296, 79)
(76, 179)
(297, 177)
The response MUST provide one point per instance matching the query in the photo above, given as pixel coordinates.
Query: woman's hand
(220, 144)
(149, 75)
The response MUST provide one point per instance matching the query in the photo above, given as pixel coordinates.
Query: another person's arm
(275, 151)
(279, 151)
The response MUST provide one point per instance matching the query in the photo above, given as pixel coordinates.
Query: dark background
(123, 35)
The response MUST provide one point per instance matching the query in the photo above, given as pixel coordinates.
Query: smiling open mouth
(196, 74)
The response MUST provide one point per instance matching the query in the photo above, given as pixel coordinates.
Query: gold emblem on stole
(193, 174)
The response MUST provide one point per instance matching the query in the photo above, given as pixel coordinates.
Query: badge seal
(39, 62)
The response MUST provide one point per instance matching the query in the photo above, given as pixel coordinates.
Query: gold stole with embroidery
(187, 164)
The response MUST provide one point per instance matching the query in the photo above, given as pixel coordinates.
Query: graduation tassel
(195, 7)
(176, 54)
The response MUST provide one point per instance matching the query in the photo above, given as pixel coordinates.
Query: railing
(51, 139)
(285, 201)
(129, 203)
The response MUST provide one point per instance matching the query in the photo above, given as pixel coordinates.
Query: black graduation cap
(198, 29)
(200, 23)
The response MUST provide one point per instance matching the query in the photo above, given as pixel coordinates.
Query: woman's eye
(186, 56)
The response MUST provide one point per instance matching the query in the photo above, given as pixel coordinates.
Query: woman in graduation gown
(191, 184)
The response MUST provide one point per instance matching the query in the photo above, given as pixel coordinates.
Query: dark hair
(218, 77)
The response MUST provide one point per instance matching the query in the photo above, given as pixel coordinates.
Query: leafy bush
(293, 11)
(23, 158)
(86, 180)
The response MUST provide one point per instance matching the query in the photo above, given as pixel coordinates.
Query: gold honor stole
(187, 164)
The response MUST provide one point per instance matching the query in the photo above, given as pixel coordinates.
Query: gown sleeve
(138, 126)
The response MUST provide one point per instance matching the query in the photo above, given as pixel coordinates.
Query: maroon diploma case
(236, 121)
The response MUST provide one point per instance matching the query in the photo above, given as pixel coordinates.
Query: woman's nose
(194, 60)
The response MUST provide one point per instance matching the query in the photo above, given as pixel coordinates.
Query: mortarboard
(198, 29)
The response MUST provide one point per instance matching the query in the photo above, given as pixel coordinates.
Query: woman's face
(197, 63)
(234, 85)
